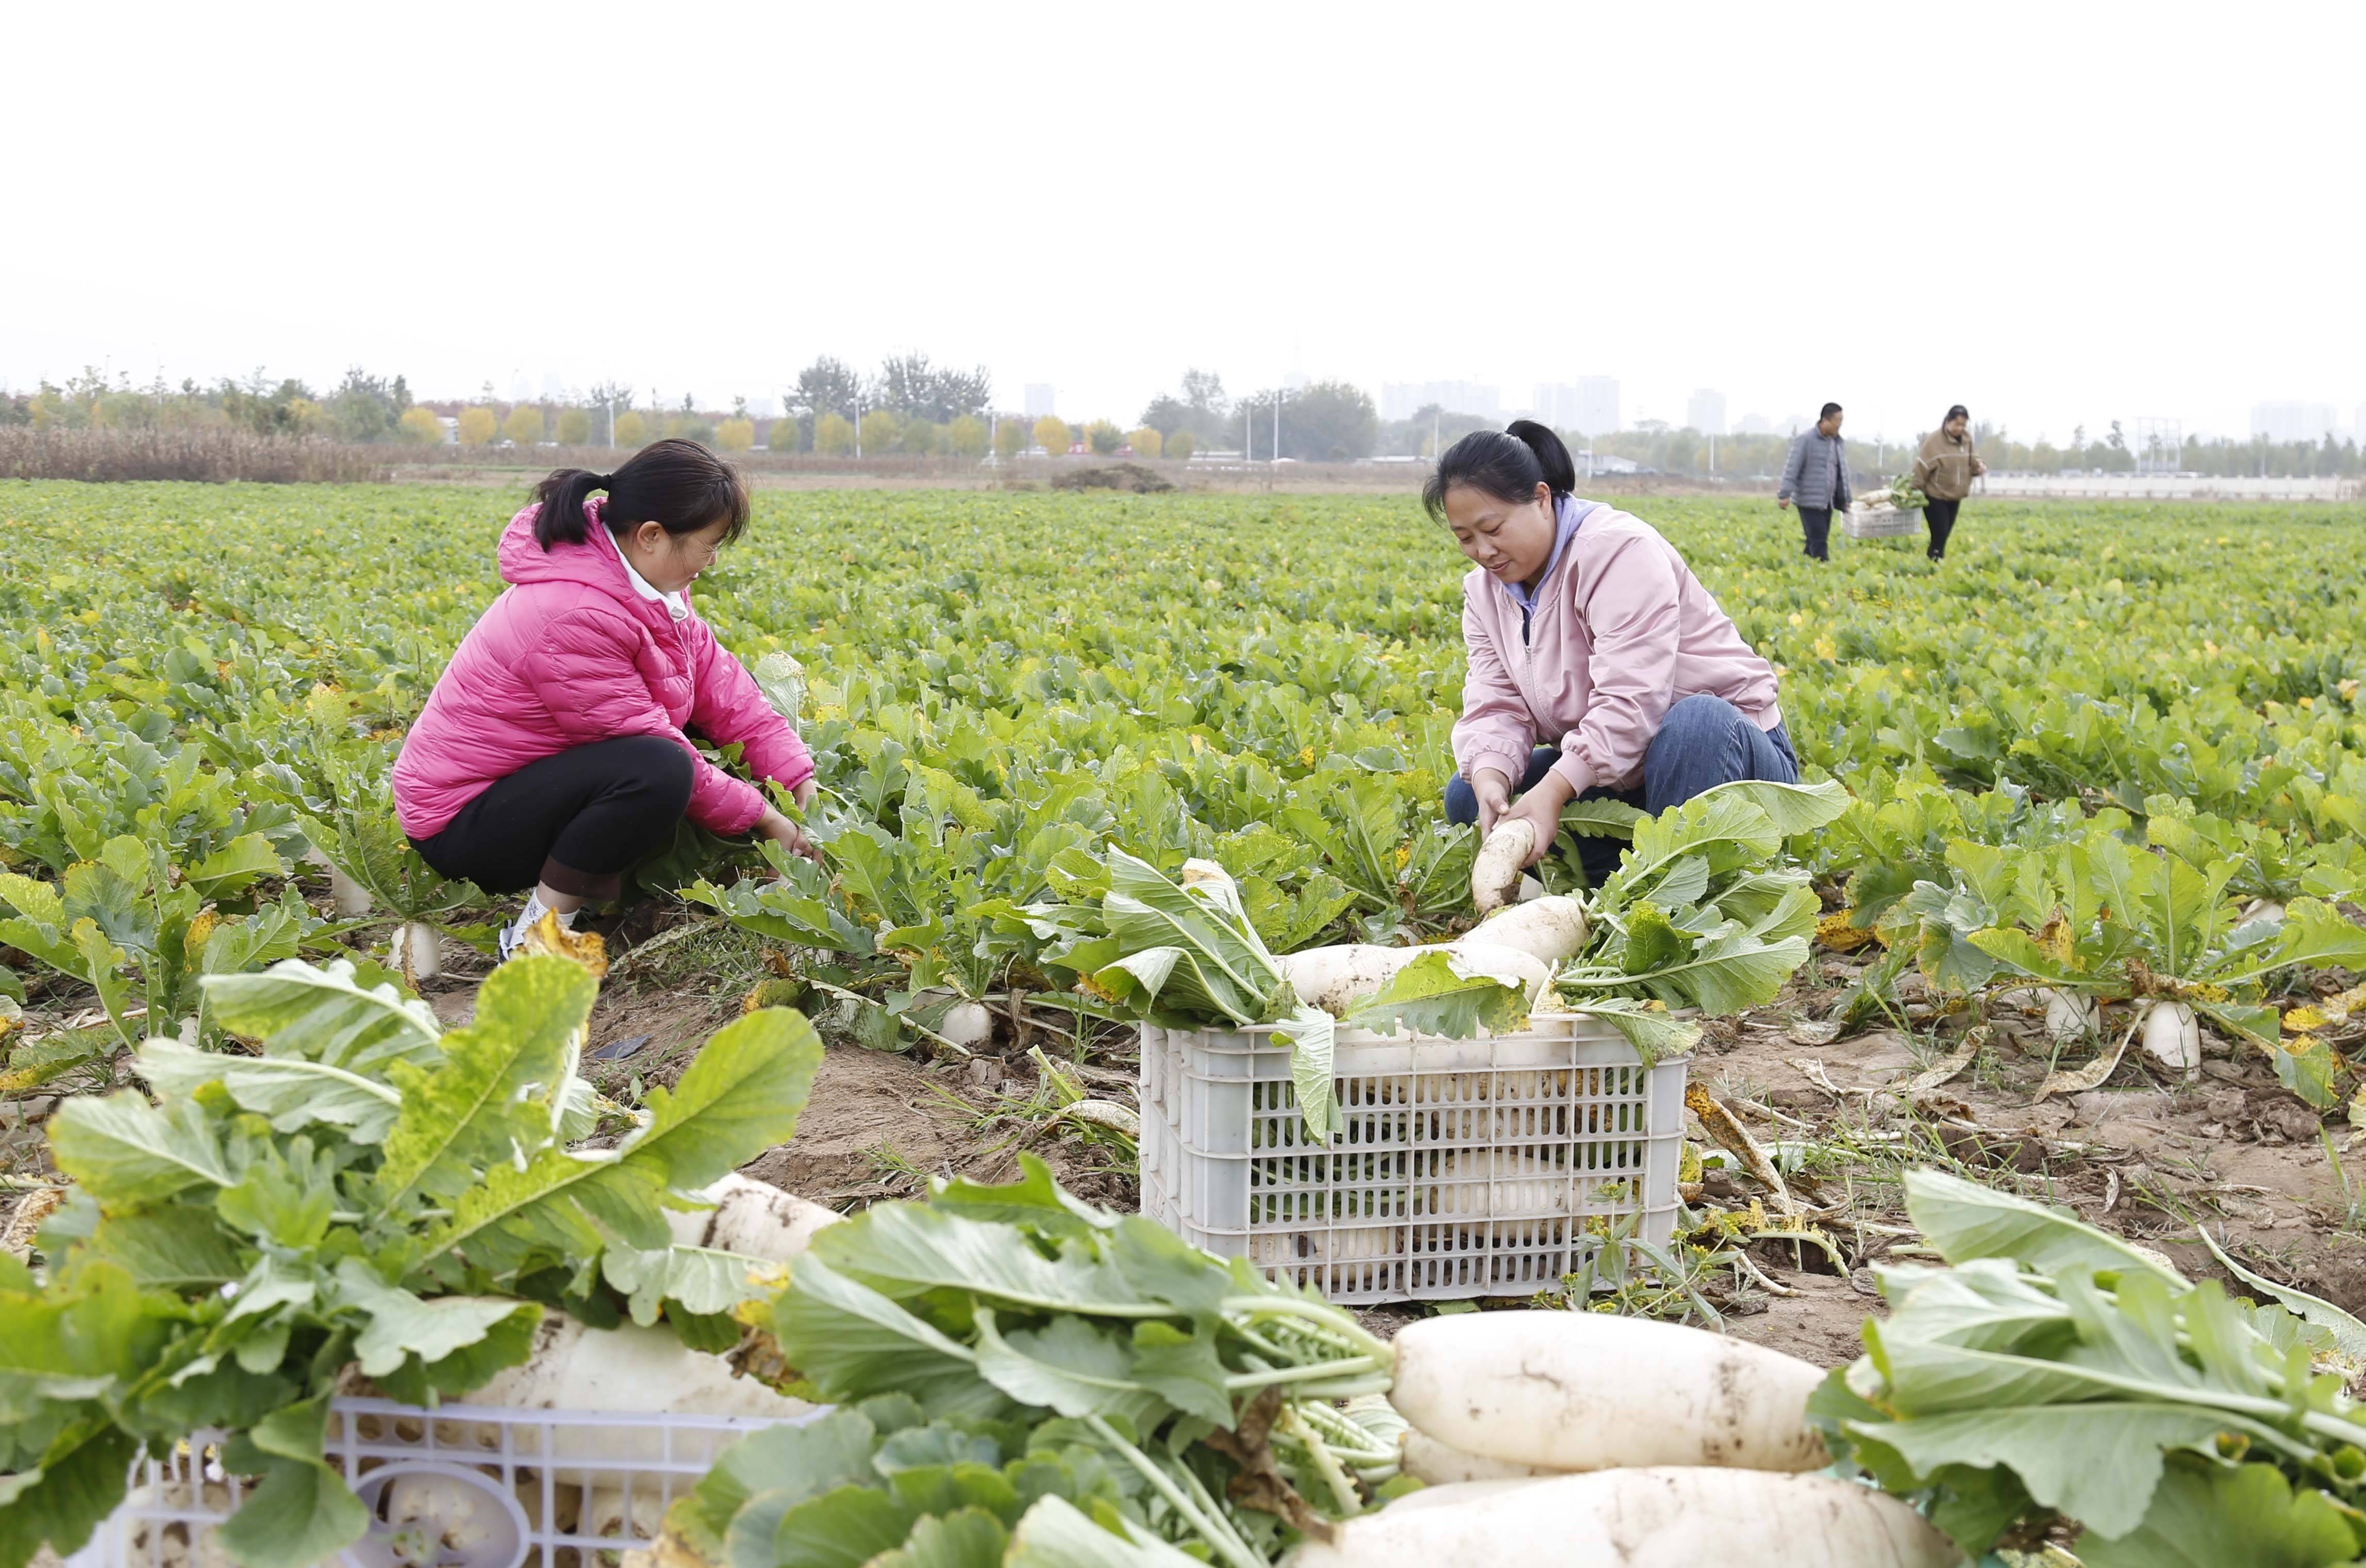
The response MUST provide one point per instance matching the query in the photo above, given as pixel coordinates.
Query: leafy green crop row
(1268, 683)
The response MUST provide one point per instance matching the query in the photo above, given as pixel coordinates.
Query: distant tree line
(1324, 422)
(362, 408)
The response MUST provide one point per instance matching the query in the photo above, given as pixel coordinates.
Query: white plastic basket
(557, 1488)
(1880, 522)
(1467, 1167)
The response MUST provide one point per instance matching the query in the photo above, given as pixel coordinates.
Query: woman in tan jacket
(1944, 472)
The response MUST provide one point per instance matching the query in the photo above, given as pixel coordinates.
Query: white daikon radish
(1666, 1517)
(1495, 870)
(1441, 1464)
(628, 1370)
(1551, 929)
(417, 950)
(1336, 978)
(349, 898)
(752, 1217)
(1584, 1390)
(2071, 1015)
(2261, 909)
(2173, 1036)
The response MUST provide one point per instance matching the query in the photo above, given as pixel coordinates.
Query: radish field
(2080, 922)
(987, 679)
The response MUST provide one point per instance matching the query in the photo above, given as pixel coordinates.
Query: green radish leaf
(234, 867)
(495, 1097)
(1068, 1366)
(906, 1250)
(326, 1015)
(739, 1098)
(1312, 1035)
(69, 1494)
(130, 1154)
(702, 1280)
(2203, 1514)
(850, 1342)
(1964, 1220)
(1451, 994)
(1601, 817)
(2347, 1333)
(972, 1537)
(303, 1511)
(1054, 1534)
(790, 1462)
(292, 1091)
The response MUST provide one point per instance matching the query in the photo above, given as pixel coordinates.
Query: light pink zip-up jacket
(1621, 631)
(568, 655)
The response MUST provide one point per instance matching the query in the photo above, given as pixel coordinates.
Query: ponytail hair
(678, 484)
(1507, 464)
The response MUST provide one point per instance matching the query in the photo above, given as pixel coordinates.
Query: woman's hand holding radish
(1540, 805)
(773, 825)
(1495, 795)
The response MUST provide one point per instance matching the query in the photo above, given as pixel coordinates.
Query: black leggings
(574, 822)
(1941, 516)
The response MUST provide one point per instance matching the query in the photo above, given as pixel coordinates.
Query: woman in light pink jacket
(555, 751)
(1599, 666)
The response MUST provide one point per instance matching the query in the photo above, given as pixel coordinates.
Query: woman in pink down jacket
(553, 753)
(1598, 664)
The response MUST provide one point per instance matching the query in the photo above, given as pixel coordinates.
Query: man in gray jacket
(1817, 477)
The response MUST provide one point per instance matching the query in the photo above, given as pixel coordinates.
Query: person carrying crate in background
(1816, 476)
(1944, 472)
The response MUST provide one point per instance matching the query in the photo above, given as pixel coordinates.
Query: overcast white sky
(2086, 211)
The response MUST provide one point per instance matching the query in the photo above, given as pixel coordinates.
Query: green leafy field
(221, 673)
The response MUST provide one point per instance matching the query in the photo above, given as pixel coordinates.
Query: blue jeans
(1704, 741)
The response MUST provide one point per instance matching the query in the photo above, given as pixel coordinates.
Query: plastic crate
(1881, 522)
(1467, 1167)
(556, 1488)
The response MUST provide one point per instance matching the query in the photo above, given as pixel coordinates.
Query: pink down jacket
(568, 655)
(1622, 630)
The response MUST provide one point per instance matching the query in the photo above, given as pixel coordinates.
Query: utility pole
(858, 425)
(1276, 424)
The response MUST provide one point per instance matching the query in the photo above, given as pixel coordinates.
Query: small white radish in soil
(1584, 1391)
(1495, 870)
(1336, 978)
(2071, 1015)
(1550, 929)
(1662, 1517)
(417, 950)
(349, 898)
(1441, 1464)
(2173, 1036)
(752, 1217)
